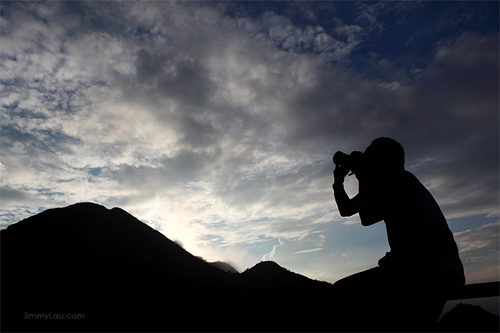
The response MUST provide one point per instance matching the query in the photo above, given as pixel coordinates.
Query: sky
(215, 122)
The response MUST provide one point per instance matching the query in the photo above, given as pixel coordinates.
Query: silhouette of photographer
(408, 288)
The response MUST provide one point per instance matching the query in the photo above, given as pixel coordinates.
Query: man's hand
(339, 174)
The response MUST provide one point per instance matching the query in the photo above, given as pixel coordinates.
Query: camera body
(352, 162)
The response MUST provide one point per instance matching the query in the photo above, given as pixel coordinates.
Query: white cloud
(480, 243)
(309, 250)
(489, 272)
(479, 250)
(270, 255)
(352, 221)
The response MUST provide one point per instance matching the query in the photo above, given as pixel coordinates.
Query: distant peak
(266, 266)
(86, 204)
(268, 263)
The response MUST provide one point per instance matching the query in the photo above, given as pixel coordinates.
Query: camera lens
(341, 158)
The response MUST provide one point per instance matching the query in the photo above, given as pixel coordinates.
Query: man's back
(417, 230)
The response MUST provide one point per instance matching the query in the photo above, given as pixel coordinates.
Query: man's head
(384, 153)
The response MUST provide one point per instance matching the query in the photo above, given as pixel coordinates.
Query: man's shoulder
(396, 173)
(398, 178)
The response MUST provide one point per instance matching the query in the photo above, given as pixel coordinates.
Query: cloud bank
(216, 122)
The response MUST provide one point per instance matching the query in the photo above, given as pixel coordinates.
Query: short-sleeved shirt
(417, 230)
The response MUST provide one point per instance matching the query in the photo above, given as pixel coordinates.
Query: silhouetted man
(407, 289)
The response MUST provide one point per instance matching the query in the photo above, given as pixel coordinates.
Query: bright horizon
(215, 122)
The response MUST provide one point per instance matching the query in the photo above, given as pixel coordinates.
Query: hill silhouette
(87, 268)
(125, 276)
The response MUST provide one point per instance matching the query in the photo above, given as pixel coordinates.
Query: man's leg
(360, 301)
(382, 299)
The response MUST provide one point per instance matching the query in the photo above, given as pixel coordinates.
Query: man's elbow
(348, 208)
(367, 220)
(347, 212)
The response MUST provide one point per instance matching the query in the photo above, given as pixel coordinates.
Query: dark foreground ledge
(478, 290)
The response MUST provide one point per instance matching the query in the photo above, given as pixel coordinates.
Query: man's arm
(366, 216)
(346, 206)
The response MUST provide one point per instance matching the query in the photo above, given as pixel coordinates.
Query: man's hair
(387, 152)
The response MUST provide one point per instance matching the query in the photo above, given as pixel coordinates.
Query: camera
(351, 162)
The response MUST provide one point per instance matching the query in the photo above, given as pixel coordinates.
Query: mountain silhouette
(93, 233)
(88, 268)
(122, 274)
(104, 263)
(268, 274)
